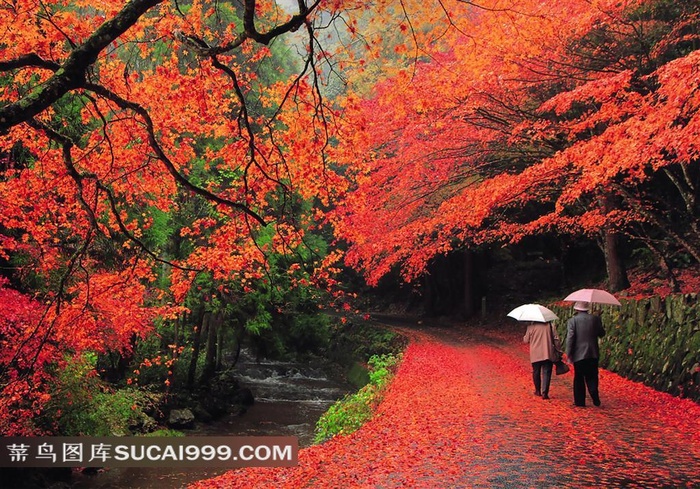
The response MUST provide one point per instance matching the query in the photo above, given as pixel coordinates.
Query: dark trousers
(542, 376)
(586, 376)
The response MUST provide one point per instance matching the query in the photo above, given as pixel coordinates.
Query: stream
(289, 399)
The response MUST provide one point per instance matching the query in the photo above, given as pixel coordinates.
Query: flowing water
(289, 399)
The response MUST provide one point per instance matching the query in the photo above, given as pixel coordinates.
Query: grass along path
(461, 413)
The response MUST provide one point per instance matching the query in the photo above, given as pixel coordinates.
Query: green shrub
(82, 404)
(352, 411)
(381, 369)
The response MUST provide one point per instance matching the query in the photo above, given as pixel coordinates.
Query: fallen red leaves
(463, 415)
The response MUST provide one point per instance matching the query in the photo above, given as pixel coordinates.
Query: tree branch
(160, 154)
(250, 31)
(27, 60)
(72, 73)
(78, 178)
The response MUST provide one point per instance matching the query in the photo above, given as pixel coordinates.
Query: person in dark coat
(582, 333)
(545, 349)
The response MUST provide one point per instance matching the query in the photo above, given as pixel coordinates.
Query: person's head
(581, 306)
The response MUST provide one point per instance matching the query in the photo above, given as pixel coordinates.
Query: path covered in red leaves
(461, 413)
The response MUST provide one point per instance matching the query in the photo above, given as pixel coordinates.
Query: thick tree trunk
(617, 273)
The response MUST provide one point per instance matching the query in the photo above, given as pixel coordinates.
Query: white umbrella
(533, 312)
(597, 296)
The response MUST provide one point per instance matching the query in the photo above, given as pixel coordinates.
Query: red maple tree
(570, 118)
(115, 115)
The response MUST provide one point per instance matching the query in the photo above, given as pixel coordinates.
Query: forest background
(178, 179)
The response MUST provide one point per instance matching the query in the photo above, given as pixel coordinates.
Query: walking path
(461, 413)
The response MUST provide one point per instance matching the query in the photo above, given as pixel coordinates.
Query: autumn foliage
(146, 145)
(143, 146)
(574, 119)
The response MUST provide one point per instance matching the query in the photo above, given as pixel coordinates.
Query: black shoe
(538, 393)
(579, 405)
(596, 402)
(545, 396)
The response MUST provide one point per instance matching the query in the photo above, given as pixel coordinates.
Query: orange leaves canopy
(517, 125)
(149, 141)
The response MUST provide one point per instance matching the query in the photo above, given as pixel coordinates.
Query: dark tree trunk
(209, 368)
(614, 264)
(220, 347)
(442, 286)
(451, 286)
(469, 308)
(196, 346)
(617, 273)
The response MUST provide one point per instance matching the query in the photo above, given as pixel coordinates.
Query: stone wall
(655, 341)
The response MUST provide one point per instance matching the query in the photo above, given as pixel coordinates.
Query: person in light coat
(545, 349)
(583, 331)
